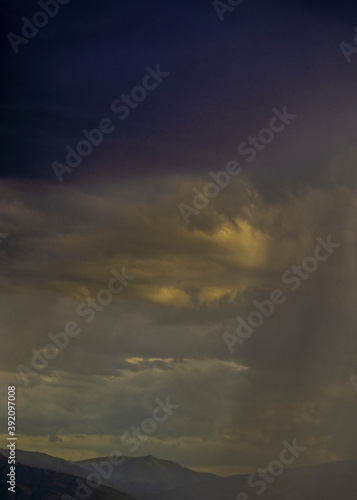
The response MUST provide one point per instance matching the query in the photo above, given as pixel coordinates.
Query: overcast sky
(163, 334)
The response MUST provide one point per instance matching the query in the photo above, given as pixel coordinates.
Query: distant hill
(143, 475)
(333, 481)
(209, 488)
(42, 477)
(47, 462)
(44, 484)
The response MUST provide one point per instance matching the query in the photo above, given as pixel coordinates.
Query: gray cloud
(163, 335)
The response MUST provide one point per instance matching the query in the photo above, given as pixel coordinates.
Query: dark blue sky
(225, 77)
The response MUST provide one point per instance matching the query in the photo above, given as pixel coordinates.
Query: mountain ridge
(152, 478)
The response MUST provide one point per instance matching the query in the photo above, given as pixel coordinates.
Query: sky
(132, 203)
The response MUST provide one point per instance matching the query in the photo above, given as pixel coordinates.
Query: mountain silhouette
(43, 477)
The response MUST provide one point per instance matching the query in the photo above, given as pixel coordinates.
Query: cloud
(163, 336)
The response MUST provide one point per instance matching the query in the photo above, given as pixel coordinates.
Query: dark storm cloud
(66, 77)
(165, 335)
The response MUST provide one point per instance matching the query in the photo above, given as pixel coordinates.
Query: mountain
(42, 477)
(209, 488)
(33, 483)
(322, 482)
(47, 462)
(143, 475)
